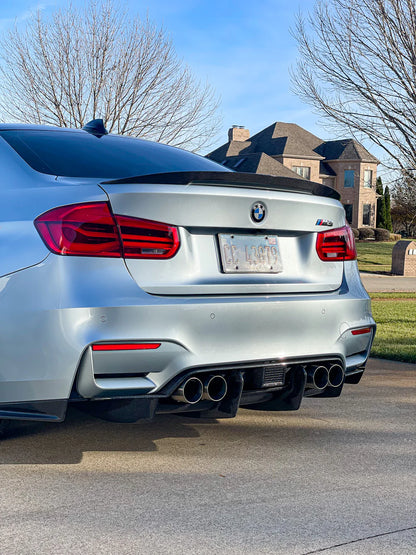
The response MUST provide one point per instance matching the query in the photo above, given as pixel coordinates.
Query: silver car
(140, 279)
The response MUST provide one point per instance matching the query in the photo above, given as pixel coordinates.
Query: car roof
(29, 126)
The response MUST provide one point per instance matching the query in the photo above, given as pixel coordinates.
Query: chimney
(238, 133)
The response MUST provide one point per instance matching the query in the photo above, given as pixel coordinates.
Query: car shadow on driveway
(65, 443)
(250, 436)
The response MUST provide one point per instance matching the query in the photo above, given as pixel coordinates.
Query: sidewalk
(377, 282)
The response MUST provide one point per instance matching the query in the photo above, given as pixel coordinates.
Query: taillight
(147, 239)
(80, 230)
(336, 244)
(90, 229)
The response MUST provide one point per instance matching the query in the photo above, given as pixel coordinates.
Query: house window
(349, 178)
(303, 171)
(368, 178)
(366, 214)
(348, 212)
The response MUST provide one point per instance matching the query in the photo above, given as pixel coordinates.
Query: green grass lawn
(374, 257)
(395, 315)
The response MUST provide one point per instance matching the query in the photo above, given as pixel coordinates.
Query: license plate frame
(250, 254)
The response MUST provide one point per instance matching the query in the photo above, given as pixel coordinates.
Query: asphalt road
(338, 476)
(378, 282)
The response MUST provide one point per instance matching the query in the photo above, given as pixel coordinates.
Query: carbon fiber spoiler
(232, 179)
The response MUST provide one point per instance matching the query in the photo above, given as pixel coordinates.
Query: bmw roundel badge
(258, 212)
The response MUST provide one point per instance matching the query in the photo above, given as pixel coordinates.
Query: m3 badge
(328, 223)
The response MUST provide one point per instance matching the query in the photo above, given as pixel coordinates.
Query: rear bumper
(234, 346)
(54, 312)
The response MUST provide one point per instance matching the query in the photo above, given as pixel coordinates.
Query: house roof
(259, 163)
(279, 139)
(291, 140)
(286, 139)
(232, 148)
(345, 149)
(325, 170)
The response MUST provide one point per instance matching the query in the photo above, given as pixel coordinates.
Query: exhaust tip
(215, 388)
(318, 377)
(189, 392)
(336, 375)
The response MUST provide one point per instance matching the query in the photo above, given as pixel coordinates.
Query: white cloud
(26, 14)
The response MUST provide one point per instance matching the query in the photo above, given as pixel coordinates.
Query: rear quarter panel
(24, 195)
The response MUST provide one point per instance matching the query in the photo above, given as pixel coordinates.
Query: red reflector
(361, 331)
(336, 244)
(125, 346)
(90, 229)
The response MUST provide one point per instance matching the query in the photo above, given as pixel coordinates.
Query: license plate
(250, 254)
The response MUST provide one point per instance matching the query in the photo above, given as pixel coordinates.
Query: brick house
(287, 150)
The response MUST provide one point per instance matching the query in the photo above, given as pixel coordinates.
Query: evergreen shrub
(366, 233)
(381, 234)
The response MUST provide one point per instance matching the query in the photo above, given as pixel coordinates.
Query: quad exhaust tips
(326, 378)
(192, 390)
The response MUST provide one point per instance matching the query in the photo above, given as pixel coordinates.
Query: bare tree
(99, 62)
(403, 212)
(357, 67)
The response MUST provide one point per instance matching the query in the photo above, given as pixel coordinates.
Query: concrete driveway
(338, 476)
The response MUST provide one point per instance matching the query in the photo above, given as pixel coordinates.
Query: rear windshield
(75, 154)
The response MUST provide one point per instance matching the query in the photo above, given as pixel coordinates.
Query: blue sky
(242, 48)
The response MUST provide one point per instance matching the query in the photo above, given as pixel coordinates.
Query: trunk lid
(214, 215)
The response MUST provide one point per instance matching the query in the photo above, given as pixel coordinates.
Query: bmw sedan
(138, 279)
